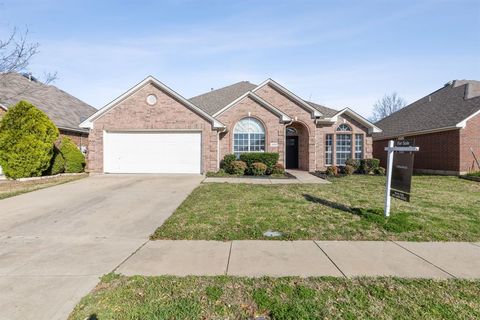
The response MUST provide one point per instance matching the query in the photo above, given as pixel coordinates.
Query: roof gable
(284, 117)
(150, 80)
(352, 114)
(314, 111)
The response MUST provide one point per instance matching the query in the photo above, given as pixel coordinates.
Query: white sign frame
(391, 149)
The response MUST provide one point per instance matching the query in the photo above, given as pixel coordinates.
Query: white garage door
(152, 152)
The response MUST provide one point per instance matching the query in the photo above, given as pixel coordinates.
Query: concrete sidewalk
(254, 258)
(300, 177)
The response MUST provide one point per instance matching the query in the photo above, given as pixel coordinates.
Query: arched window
(344, 127)
(292, 131)
(248, 136)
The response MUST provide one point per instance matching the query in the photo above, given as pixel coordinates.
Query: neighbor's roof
(213, 101)
(66, 111)
(444, 109)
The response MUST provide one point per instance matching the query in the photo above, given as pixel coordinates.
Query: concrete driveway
(56, 242)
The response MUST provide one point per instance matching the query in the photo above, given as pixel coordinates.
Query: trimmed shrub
(348, 169)
(57, 164)
(352, 162)
(267, 158)
(380, 171)
(238, 167)
(331, 171)
(278, 169)
(27, 136)
(74, 159)
(368, 166)
(258, 168)
(227, 161)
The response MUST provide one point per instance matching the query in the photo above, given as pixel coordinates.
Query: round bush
(74, 159)
(258, 169)
(349, 169)
(27, 136)
(380, 171)
(227, 161)
(331, 171)
(352, 162)
(238, 167)
(278, 169)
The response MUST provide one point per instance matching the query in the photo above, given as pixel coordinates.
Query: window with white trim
(343, 148)
(344, 127)
(248, 136)
(329, 149)
(359, 146)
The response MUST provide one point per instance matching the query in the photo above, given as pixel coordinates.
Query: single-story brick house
(444, 124)
(63, 109)
(153, 129)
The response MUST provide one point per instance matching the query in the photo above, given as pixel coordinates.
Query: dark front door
(292, 152)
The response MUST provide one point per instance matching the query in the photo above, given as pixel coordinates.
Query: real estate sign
(399, 171)
(402, 171)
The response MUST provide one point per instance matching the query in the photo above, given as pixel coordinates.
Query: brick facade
(470, 141)
(80, 139)
(445, 152)
(439, 152)
(274, 129)
(311, 151)
(134, 113)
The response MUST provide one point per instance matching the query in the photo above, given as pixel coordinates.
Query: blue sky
(338, 53)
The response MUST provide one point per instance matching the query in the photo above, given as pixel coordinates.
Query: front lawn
(351, 208)
(10, 188)
(118, 297)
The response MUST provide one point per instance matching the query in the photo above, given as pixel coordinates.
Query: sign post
(399, 171)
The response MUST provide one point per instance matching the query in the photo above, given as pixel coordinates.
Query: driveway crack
(131, 255)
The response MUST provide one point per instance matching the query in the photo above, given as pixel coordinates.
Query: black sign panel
(402, 171)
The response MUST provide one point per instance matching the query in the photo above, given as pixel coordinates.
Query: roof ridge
(222, 88)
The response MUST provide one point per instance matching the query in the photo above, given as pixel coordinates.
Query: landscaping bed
(119, 297)
(10, 188)
(350, 208)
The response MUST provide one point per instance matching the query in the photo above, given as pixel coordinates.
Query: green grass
(118, 297)
(474, 174)
(11, 188)
(351, 208)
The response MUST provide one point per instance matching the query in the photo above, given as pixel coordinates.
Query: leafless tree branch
(389, 104)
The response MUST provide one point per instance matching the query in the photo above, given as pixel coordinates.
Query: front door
(292, 152)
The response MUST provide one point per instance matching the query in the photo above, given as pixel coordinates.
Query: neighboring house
(445, 125)
(64, 110)
(153, 129)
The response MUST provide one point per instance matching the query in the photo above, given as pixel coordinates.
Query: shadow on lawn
(399, 222)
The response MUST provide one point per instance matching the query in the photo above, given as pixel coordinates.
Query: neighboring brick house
(153, 129)
(64, 110)
(445, 125)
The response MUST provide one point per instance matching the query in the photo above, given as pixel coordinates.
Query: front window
(359, 146)
(248, 136)
(344, 127)
(329, 149)
(344, 148)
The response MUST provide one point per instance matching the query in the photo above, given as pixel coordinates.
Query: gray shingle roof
(63, 109)
(213, 101)
(443, 108)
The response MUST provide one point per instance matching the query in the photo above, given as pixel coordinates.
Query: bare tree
(389, 104)
(15, 55)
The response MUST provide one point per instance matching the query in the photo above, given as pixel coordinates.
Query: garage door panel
(152, 152)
